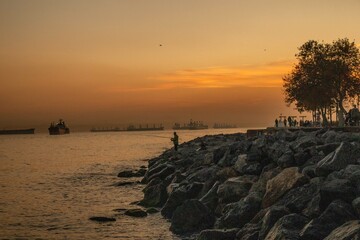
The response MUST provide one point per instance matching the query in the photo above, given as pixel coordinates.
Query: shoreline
(285, 184)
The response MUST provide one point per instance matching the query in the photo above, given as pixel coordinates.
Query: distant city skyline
(106, 63)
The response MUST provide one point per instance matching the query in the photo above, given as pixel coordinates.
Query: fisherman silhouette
(276, 122)
(175, 140)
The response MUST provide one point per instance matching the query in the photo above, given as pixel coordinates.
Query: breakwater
(284, 185)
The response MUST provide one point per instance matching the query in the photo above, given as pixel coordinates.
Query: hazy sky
(106, 62)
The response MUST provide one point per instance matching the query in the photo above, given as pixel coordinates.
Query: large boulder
(202, 174)
(153, 170)
(304, 142)
(233, 189)
(191, 216)
(336, 189)
(297, 199)
(327, 148)
(287, 227)
(178, 196)
(286, 160)
(356, 205)
(270, 218)
(210, 199)
(336, 214)
(165, 172)
(286, 180)
(155, 196)
(345, 154)
(236, 215)
(249, 232)
(348, 231)
(216, 234)
(277, 149)
(219, 153)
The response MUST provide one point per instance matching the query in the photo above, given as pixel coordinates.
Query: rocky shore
(288, 185)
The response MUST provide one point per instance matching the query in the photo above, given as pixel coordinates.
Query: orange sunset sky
(108, 63)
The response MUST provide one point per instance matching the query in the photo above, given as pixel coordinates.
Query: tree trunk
(341, 114)
(324, 118)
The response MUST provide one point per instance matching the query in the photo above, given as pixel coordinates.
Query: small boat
(192, 125)
(17, 131)
(59, 128)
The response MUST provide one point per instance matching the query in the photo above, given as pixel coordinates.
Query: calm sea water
(51, 185)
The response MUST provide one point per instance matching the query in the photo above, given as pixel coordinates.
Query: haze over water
(51, 185)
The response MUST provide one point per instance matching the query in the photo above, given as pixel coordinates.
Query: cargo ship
(192, 125)
(58, 129)
(130, 128)
(17, 131)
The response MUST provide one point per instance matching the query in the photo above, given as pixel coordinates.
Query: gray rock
(102, 219)
(336, 189)
(210, 199)
(129, 174)
(219, 153)
(277, 149)
(135, 213)
(297, 199)
(301, 157)
(236, 215)
(203, 174)
(191, 216)
(329, 136)
(240, 163)
(286, 160)
(288, 179)
(304, 142)
(153, 170)
(327, 148)
(309, 171)
(226, 173)
(152, 210)
(165, 172)
(234, 189)
(336, 214)
(216, 234)
(348, 231)
(287, 227)
(344, 155)
(356, 205)
(155, 196)
(271, 217)
(249, 232)
(178, 196)
(313, 209)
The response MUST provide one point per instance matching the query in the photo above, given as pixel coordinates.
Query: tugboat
(59, 128)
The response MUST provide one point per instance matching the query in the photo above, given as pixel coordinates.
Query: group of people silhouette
(285, 123)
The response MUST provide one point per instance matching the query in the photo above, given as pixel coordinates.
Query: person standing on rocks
(175, 140)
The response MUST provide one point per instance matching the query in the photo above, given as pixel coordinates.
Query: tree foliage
(325, 76)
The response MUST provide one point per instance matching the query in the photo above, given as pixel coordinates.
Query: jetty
(287, 183)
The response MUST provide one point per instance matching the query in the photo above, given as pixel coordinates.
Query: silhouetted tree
(326, 76)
